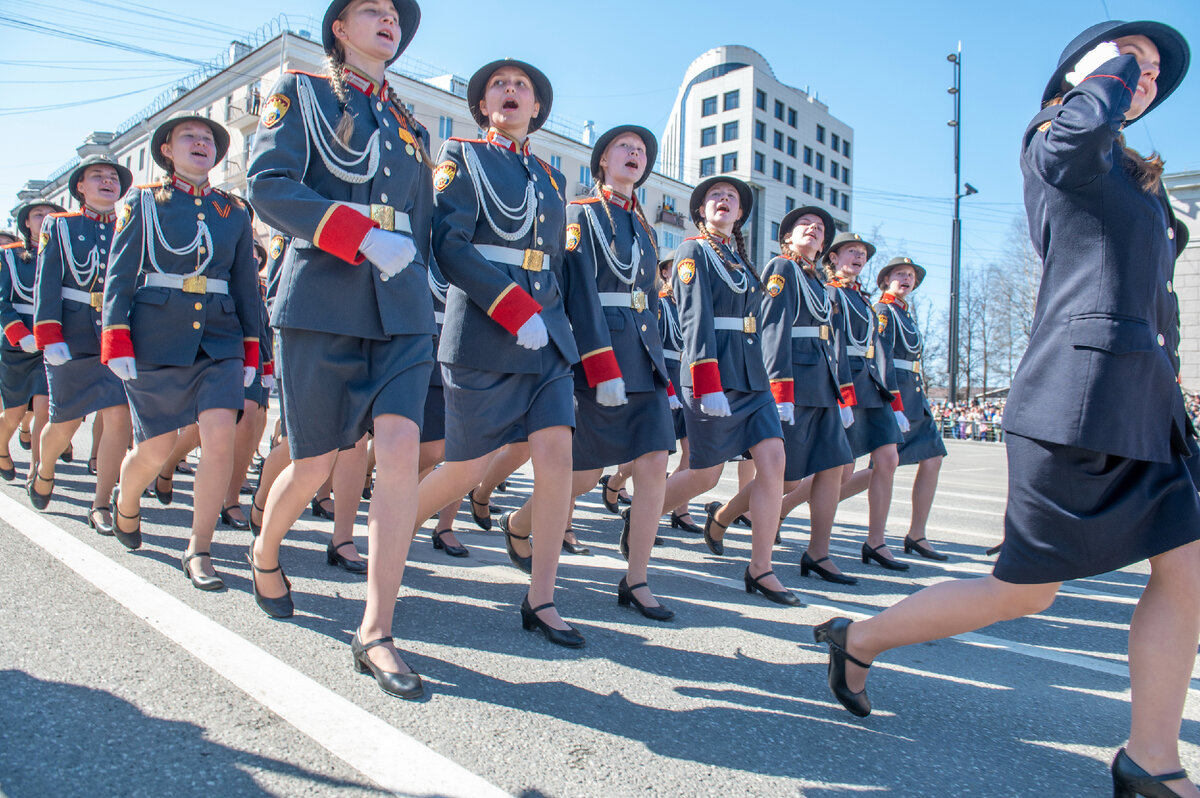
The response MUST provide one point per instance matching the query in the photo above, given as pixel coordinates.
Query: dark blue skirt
(165, 398)
(922, 441)
(607, 436)
(715, 441)
(82, 385)
(22, 377)
(257, 392)
(815, 443)
(873, 427)
(433, 427)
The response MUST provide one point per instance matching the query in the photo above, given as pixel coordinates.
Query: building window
(807, 184)
(729, 131)
(585, 175)
(774, 231)
(845, 202)
(128, 161)
(708, 166)
(846, 175)
(792, 117)
(820, 134)
(760, 99)
(791, 177)
(792, 147)
(556, 162)
(778, 110)
(789, 204)
(708, 106)
(835, 141)
(760, 162)
(708, 136)
(820, 162)
(820, 190)
(732, 99)
(671, 240)
(833, 169)
(833, 196)
(777, 170)
(142, 158)
(846, 148)
(729, 162)
(808, 156)
(668, 203)
(641, 195)
(760, 131)
(445, 127)
(778, 141)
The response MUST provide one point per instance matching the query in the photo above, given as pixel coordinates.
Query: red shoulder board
(468, 141)
(310, 74)
(584, 201)
(64, 214)
(695, 238)
(150, 185)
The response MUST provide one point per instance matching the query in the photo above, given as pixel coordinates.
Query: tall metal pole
(956, 228)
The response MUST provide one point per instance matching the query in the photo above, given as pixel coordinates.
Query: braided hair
(739, 242)
(598, 191)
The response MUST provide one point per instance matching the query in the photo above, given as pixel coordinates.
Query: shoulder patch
(124, 216)
(43, 240)
(277, 106)
(276, 247)
(573, 233)
(775, 284)
(444, 175)
(883, 321)
(687, 270)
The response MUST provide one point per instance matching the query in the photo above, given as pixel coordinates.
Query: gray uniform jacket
(902, 343)
(871, 368)
(73, 256)
(18, 270)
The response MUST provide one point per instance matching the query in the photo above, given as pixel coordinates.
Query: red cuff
(342, 231)
(115, 342)
(898, 403)
(513, 308)
(250, 348)
(268, 367)
(15, 332)
(783, 391)
(48, 332)
(600, 366)
(670, 388)
(706, 378)
(848, 397)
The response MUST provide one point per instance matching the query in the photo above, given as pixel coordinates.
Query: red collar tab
(800, 259)
(500, 140)
(720, 239)
(618, 199)
(841, 282)
(891, 299)
(187, 187)
(96, 216)
(363, 83)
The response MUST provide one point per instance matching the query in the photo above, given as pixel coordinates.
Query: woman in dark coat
(1097, 432)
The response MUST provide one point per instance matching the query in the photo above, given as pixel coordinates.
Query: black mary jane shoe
(228, 520)
(992, 552)
(164, 497)
(576, 548)
(402, 685)
(25, 439)
(625, 598)
(246, 489)
(255, 529)
(717, 547)
(98, 522)
(441, 545)
(40, 501)
(568, 637)
(334, 557)
(202, 581)
(319, 511)
(742, 520)
(833, 634)
(911, 546)
(612, 506)
(784, 597)
(68, 454)
(10, 473)
(130, 540)
(1130, 780)
(623, 499)
(524, 563)
(808, 564)
(91, 466)
(677, 522)
(623, 545)
(484, 522)
(279, 607)
(869, 554)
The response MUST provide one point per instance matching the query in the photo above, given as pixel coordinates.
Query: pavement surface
(118, 678)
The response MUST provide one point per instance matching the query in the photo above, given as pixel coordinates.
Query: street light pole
(956, 228)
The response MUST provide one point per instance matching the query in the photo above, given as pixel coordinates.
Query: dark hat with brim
(261, 252)
(881, 279)
(665, 257)
(220, 136)
(407, 11)
(1174, 55)
(648, 139)
(698, 193)
(791, 217)
(124, 176)
(542, 90)
(842, 239)
(26, 209)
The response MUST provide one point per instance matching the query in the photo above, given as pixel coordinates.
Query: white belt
(189, 285)
(908, 365)
(96, 299)
(736, 323)
(439, 317)
(389, 219)
(821, 332)
(860, 351)
(528, 259)
(669, 355)
(21, 307)
(636, 299)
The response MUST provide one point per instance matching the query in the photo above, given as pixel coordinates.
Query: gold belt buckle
(385, 215)
(749, 325)
(870, 351)
(823, 332)
(533, 260)
(97, 300)
(637, 300)
(196, 284)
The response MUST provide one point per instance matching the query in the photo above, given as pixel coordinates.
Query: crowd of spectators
(976, 420)
(1192, 400)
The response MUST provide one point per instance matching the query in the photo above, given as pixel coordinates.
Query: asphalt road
(118, 678)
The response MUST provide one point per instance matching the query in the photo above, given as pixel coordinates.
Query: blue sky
(880, 66)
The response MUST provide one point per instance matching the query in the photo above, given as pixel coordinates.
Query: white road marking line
(387, 756)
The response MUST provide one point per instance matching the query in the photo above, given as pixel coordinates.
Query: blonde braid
(335, 67)
(741, 248)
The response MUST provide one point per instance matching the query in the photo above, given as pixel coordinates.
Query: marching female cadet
(506, 347)
(810, 380)
(69, 295)
(672, 338)
(342, 166)
(879, 420)
(1097, 432)
(180, 327)
(922, 444)
(22, 374)
(725, 393)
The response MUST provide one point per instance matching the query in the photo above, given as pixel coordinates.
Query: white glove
(389, 252)
(611, 393)
(533, 333)
(847, 416)
(28, 344)
(123, 367)
(248, 375)
(715, 404)
(1098, 55)
(674, 403)
(57, 354)
(268, 381)
(902, 420)
(787, 412)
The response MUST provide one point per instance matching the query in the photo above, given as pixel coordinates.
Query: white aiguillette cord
(322, 133)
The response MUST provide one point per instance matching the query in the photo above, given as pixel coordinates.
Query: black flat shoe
(623, 545)
(184, 467)
(992, 552)
(575, 548)
(568, 637)
(318, 509)
(228, 520)
(68, 454)
(1130, 780)
(255, 529)
(246, 490)
(39, 500)
(625, 597)
(484, 522)
(808, 564)
(280, 607)
(453, 551)
(368, 491)
(334, 558)
(717, 547)
(677, 522)
(402, 685)
(833, 633)
(869, 554)
(91, 466)
(503, 486)
(202, 581)
(524, 563)
(611, 506)
(164, 496)
(25, 439)
(785, 597)
(97, 520)
(911, 545)
(742, 520)
(130, 540)
(623, 499)
(10, 473)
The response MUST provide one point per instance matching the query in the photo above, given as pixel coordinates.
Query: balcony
(670, 216)
(243, 113)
